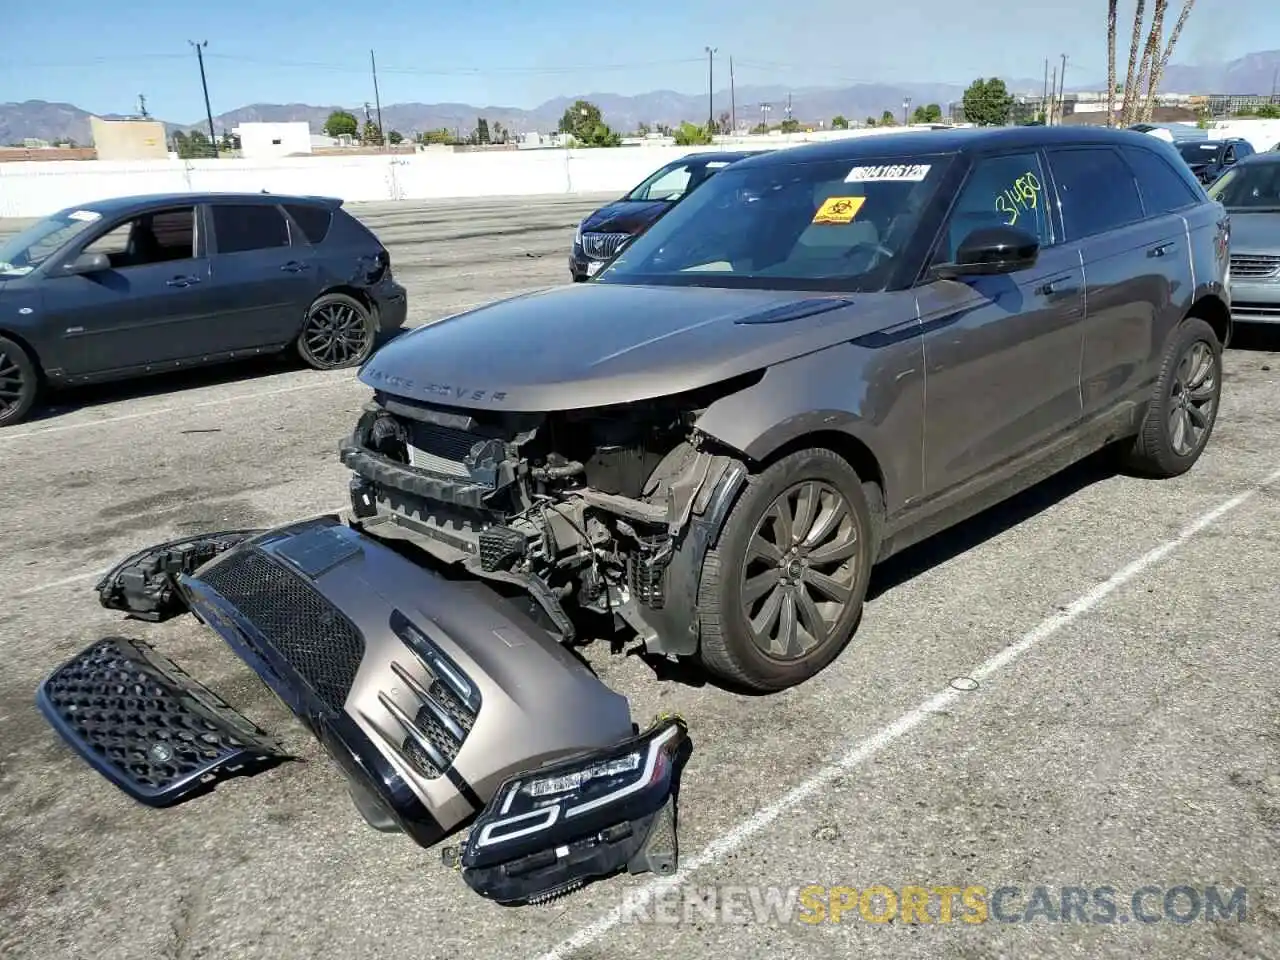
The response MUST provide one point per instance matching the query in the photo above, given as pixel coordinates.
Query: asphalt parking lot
(1118, 724)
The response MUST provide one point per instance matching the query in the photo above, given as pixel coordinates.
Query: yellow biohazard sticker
(839, 209)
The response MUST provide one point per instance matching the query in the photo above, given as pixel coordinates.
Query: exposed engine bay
(586, 510)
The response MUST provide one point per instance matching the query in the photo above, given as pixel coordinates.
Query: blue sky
(519, 53)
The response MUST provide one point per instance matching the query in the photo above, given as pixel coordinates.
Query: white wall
(257, 140)
(1261, 134)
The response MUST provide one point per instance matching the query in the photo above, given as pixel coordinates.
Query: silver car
(1250, 192)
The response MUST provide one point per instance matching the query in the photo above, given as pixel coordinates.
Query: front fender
(873, 396)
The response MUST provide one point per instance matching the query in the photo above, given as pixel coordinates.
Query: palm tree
(1157, 73)
(1130, 78)
(1111, 62)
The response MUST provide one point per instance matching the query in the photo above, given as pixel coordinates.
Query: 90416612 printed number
(1022, 197)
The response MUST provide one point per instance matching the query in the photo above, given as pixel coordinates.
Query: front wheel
(782, 591)
(1183, 407)
(19, 382)
(338, 332)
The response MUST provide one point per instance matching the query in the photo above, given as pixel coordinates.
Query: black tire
(730, 648)
(19, 382)
(338, 332)
(1187, 392)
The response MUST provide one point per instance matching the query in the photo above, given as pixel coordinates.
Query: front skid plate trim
(150, 728)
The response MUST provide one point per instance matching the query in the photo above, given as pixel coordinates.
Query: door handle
(293, 266)
(182, 281)
(1161, 249)
(1056, 287)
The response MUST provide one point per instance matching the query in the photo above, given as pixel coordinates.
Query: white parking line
(718, 849)
(10, 437)
(92, 574)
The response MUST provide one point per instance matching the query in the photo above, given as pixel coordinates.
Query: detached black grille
(146, 725)
(315, 638)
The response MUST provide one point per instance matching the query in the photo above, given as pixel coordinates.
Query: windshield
(799, 224)
(1198, 152)
(25, 251)
(1250, 186)
(675, 180)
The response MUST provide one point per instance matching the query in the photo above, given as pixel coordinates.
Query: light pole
(906, 106)
(711, 110)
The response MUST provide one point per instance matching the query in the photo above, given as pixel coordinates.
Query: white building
(265, 140)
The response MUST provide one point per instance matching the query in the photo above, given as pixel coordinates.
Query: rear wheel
(19, 382)
(338, 332)
(782, 592)
(1183, 407)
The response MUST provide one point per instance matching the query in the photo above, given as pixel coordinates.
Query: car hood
(597, 344)
(625, 216)
(1257, 233)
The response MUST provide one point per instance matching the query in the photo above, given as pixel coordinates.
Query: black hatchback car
(602, 234)
(140, 285)
(1210, 159)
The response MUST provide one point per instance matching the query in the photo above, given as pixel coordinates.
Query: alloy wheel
(801, 570)
(13, 384)
(336, 334)
(1192, 399)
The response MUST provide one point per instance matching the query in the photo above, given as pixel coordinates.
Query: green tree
(395, 138)
(586, 126)
(724, 124)
(341, 124)
(690, 135)
(930, 113)
(887, 119)
(1268, 111)
(987, 103)
(838, 122)
(760, 127)
(790, 125)
(192, 146)
(441, 136)
(371, 134)
(871, 121)
(642, 130)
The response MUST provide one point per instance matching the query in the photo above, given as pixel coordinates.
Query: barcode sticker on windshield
(901, 172)
(88, 216)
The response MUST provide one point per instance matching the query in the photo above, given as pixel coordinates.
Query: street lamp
(906, 106)
(711, 110)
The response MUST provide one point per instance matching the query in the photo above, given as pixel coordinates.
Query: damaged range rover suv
(823, 355)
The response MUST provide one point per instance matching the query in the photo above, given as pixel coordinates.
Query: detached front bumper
(430, 694)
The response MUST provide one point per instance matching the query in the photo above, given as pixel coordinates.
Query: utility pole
(1044, 97)
(764, 113)
(1062, 90)
(788, 106)
(142, 107)
(732, 99)
(377, 101)
(711, 109)
(204, 83)
(1050, 118)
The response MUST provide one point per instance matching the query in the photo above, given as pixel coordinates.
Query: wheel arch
(1211, 307)
(26, 345)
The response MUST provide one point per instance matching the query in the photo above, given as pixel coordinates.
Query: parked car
(821, 356)
(602, 234)
(1209, 159)
(140, 285)
(1250, 191)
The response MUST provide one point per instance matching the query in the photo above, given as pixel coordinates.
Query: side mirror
(991, 250)
(88, 263)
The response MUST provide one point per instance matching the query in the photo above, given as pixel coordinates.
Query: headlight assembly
(577, 237)
(554, 828)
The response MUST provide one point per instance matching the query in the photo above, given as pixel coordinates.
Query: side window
(1229, 155)
(1096, 190)
(160, 237)
(249, 226)
(1000, 191)
(1162, 189)
(312, 222)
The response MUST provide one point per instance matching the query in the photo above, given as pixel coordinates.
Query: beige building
(129, 139)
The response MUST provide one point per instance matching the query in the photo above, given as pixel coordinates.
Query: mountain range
(1254, 73)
